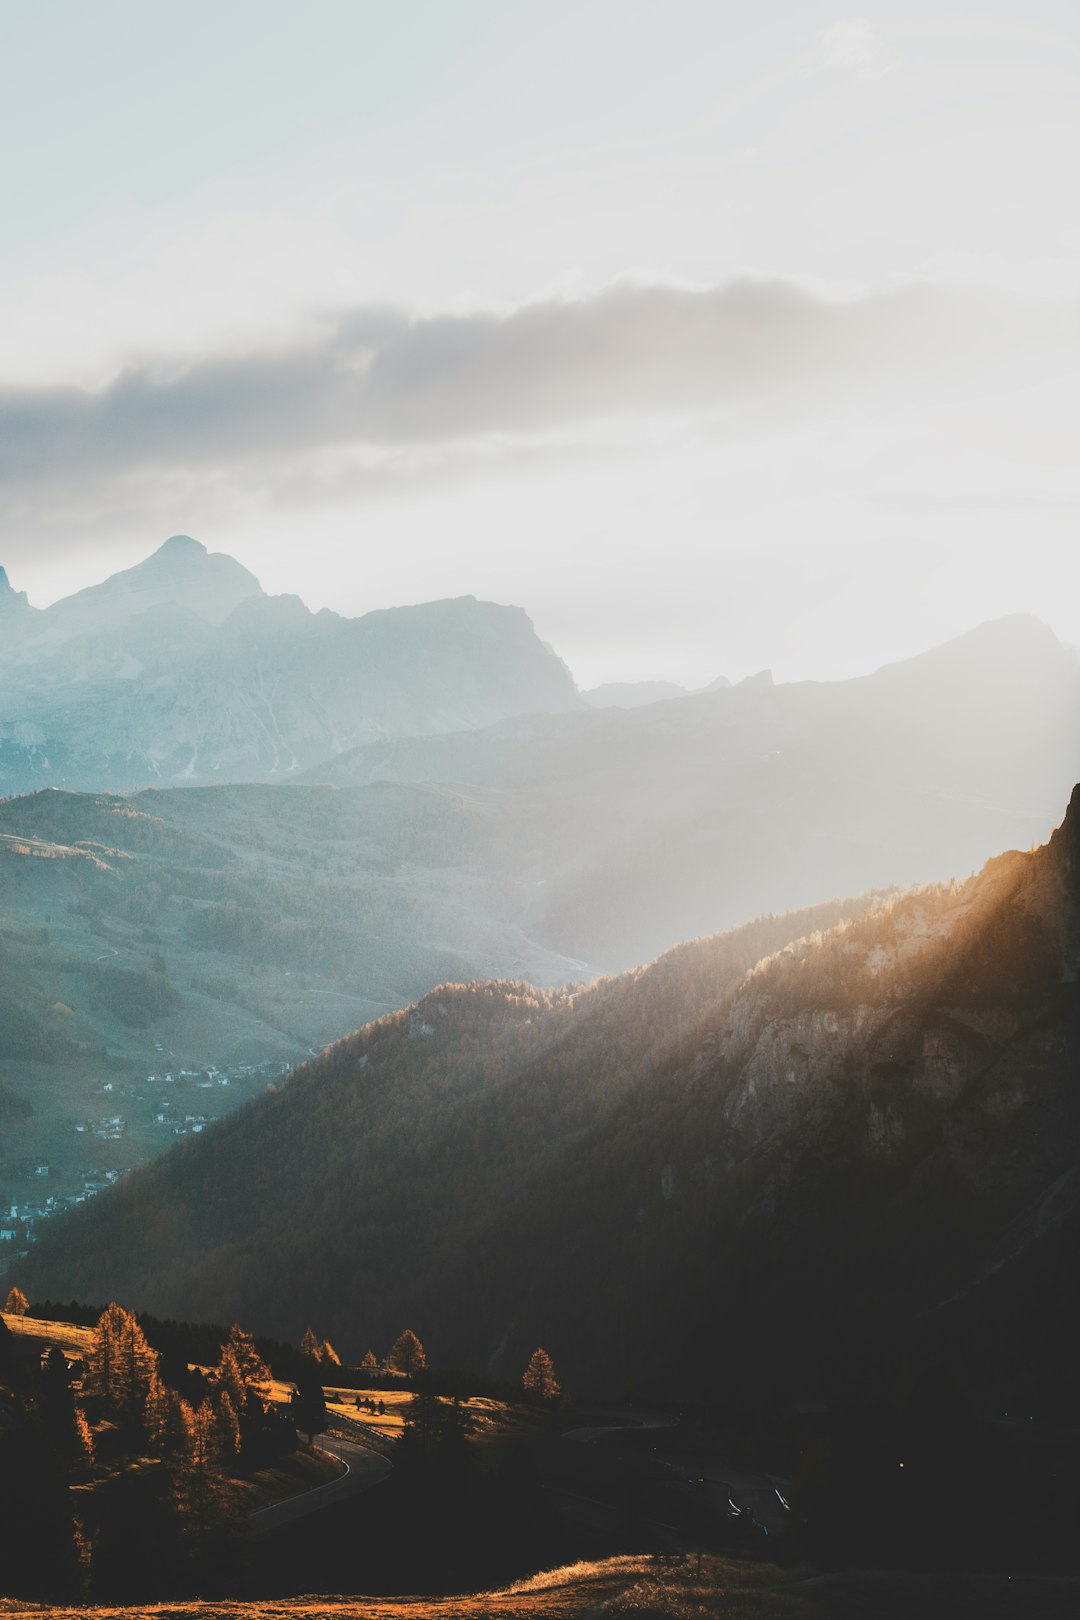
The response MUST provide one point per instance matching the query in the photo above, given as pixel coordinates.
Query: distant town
(168, 1094)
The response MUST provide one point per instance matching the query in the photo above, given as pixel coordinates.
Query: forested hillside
(146, 941)
(409, 1138)
(793, 1157)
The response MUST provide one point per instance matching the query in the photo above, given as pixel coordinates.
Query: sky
(716, 336)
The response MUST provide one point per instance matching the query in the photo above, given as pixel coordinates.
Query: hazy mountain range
(253, 923)
(639, 828)
(637, 694)
(803, 1156)
(182, 670)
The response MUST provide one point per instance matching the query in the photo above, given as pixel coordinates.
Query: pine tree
(538, 1379)
(63, 1423)
(156, 1408)
(307, 1404)
(435, 1434)
(16, 1303)
(196, 1469)
(121, 1367)
(407, 1355)
(252, 1366)
(179, 1419)
(84, 1445)
(228, 1428)
(418, 1430)
(229, 1378)
(311, 1345)
(370, 1362)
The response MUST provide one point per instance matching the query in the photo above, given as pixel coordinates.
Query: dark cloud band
(753, 351)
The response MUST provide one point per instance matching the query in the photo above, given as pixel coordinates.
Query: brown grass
(489, 1417)
(74, 1341)
(615, 1587)
(634, 1588)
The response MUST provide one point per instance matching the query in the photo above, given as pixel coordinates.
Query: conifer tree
(121, 1367)
(229, 1378)
(228, 1428)
(156, 1411)
(16, 1303)
(307, 1404)
(311, 1345)
(253, 1368)
(63, 1423)
(196, 1469)
(538, 1379)
(176, 1440)
(84, 1444)
(370, 1362)
(407, 1354)
(418, 1433)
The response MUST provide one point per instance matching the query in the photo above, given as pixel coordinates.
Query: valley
(539, 811)
(231, 931)
(168, 956)
(643, 1163)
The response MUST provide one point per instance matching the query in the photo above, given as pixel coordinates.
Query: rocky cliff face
(182, 670)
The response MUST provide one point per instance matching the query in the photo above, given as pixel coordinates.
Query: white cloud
(854, 45)
(395, 396)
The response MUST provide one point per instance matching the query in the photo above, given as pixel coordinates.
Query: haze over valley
(660, 1170)
(206, 938)
(539, 811)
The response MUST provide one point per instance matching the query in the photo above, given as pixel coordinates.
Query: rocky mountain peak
(178, 545)
(10, 598)
(181, 572)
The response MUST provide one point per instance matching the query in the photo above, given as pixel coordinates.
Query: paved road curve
(363, 1469)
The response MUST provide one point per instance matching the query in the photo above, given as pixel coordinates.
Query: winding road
(364, 1468)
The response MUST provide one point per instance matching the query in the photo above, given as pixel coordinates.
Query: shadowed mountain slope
(781, 1160)
(227, 927)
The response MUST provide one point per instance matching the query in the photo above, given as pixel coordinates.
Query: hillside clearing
(74, 1341)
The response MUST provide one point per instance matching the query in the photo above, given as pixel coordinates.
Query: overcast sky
(715, 335)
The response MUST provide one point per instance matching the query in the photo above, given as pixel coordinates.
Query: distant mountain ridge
(181, 573)
(789, 1162)
(10, 599)
(182, 669)
(637, 694)
(642, 826)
